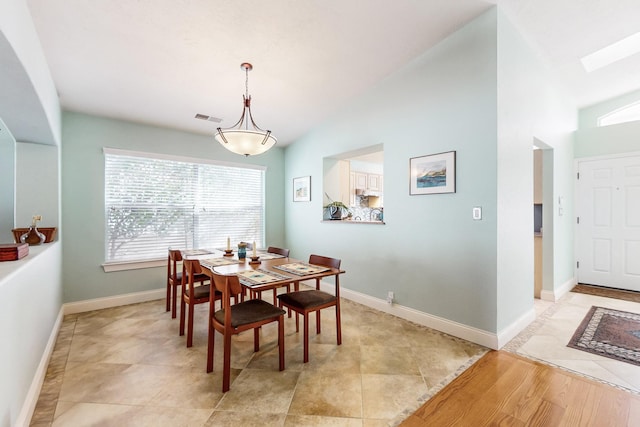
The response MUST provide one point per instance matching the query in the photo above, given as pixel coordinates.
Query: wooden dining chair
(236, 318)
(306, 302)
(192, 295)
(174, 280)
(279, 251)
(284, 253)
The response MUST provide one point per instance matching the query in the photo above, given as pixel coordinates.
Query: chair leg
(168, 295)
(174, 290)
(338, 327)
(210, 347)
(318, 322)
(281, 342)
(306, 337)
(190, 326)
(226, 371)
(289, 290)
(182, 309)
(256, 339)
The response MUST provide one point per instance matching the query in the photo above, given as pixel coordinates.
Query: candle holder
(228, 252)
(255, 260)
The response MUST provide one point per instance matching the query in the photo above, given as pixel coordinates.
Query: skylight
(628, 113)
(612, 53)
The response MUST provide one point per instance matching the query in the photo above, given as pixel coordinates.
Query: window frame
(613, 117)
(119, 265)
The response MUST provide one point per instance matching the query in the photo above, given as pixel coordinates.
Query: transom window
(155, 202)
(628, 113)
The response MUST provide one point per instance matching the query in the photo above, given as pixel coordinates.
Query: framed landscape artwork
(433, 174)
(302, 189)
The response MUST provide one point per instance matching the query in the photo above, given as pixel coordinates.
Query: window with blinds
(154, 202)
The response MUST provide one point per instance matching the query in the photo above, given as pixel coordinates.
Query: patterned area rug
(610, 333)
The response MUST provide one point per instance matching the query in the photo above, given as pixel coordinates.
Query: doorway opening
(543, 210)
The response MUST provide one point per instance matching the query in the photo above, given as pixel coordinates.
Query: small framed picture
(433, 174)
(302, 189)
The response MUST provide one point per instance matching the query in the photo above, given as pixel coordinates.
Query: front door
(608, 236)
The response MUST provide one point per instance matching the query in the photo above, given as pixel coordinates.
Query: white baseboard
(558, 293)
(450, 327)
(114, 301)
(31, 399)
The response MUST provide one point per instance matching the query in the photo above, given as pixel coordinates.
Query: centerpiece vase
(32, 237)
(242, 250)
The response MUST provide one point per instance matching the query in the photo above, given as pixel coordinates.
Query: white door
(608, 236)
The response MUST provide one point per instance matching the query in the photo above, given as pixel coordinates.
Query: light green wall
(430, 252)
(482, 93)
(7, 182)
(530, 106)
(37, 184)
(594, 141)
(84, 137)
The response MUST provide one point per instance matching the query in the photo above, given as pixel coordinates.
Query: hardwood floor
(505, 389)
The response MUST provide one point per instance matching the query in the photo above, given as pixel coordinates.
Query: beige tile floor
(127, 366)
(546, 340)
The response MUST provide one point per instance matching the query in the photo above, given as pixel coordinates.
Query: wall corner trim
(559, 292)
(511, 331)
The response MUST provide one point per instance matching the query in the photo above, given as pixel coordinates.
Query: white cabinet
(368, 186)
(368, 181)
(374, 182)
(361, 180)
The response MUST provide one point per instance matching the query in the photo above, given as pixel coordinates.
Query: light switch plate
(477, 213)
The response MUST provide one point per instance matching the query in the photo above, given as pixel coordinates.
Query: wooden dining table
(272, 272)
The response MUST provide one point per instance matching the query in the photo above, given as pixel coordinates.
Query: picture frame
(433, 174)
(302, 189)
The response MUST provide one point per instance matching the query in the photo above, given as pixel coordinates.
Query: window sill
(132, 265)
(353, 221)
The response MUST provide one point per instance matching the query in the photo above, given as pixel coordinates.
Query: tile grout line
(42, 415)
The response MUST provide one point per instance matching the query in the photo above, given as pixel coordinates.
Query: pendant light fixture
(245, 137)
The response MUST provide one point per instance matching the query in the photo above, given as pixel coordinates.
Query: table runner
(259, 277)
(217, 262)
(268, 255)
(195, 252)
(301, 268)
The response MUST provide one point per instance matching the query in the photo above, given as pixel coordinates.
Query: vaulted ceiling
(163, 61)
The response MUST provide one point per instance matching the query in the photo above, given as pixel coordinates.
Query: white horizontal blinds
(230, 204)
(156, 203)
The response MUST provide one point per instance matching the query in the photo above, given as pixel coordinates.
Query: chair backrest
(192, 267)
(324, 261)
(227, 284)
(279, 251)
(174, 256)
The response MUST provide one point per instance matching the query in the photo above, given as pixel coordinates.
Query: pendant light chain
(246, 82)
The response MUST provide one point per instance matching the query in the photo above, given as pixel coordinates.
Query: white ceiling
(162, 61)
